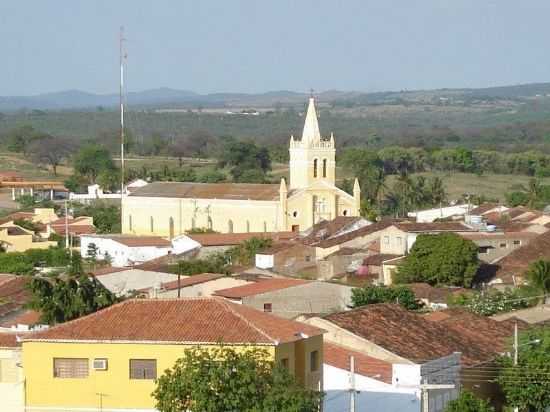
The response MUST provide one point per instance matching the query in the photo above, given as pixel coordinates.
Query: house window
(152, 224)
(315, 168)
(517, 242)
(483, 250)
(502, 245)
(307, 258)
(143, 368)
(314, 361)
(230, 226)
(399, 240)
(285, 363)
(73, 368)
(268, 307)
(386, 240)
(324, 167)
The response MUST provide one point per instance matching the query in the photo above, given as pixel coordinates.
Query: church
(173, 208)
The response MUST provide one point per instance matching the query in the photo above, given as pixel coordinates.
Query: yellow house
(172, 208)
(108, 361)
(18, 239)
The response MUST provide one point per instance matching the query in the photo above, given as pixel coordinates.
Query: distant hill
(173, 98)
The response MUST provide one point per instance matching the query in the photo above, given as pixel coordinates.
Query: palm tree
(539, 275)
(533, 192)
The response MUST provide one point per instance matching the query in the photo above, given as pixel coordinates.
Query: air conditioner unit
(100, 364)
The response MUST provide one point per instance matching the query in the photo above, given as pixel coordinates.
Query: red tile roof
(75, 229)
(518, 261)
(347, 236)
(339, 357)
(192, 280)
(433, 227)
(327, 228)
(434, 294)
(191, 321)
(13, 293)
(409, 335)
(25, 317)
(257, 288)
(232, 191)
(8, 340)
(231, 239)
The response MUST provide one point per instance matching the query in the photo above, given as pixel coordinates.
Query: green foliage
(468, 402)
(91, 160)
(106, 216)
(491, 302)
(27, 224)
(538, 275)
(226, 379)
(244, 253)
(25, 262)
(385, 294)
(368, 168)
(442, 259)
(516, 198)
(17, 140)
(60, 300)
(211, 176)
(249, 163)
(215, 263)
(526, 385)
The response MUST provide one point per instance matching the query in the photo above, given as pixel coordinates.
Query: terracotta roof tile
(484, 208)
(409, 335)
(257, 288)
(339, 357)
(518, 261)
(8, 340)
(434, 294)
(234, 191)
(25, 317)
(192, 280)
(191, 320)
(346, 237)
(433, 227)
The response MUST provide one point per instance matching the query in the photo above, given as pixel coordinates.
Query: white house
(431, 215)
(129, 250)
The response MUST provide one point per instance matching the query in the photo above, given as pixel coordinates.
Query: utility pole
(352, 384)
(66, 226)
(121, 94)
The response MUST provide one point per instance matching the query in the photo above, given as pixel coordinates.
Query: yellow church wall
(44, 392)
(245, 215)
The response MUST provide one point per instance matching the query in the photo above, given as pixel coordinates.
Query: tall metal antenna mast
(121, 95)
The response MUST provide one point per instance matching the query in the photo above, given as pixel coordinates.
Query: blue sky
(254, 46)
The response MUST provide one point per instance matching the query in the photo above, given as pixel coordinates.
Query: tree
(539, 275)
(91, 160)
(62, 299)
(442, 259)
(226, 379)
(18, 139)
(367, 167)
(106, 216)
(371, 294)
(246, 159)
(244, 253)
(467, 402)
(526, 385)
(51, 151)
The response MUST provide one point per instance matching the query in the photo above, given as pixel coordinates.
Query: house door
(295, 228)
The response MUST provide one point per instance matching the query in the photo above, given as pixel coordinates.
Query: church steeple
(311, 133)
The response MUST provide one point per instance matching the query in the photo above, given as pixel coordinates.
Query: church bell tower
(312, 159)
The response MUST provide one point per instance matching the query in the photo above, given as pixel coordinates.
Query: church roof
(311, 133)
(233, 191)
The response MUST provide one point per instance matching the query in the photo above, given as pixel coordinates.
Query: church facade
(173, 208)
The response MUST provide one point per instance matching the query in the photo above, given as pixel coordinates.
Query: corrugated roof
(234, 191)
(260, 287)
(191, 320)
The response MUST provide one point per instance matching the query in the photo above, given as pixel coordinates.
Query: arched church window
(324, 167)
(209, 223)
(265, 226)
(295, 213)
(345, 212)
(230, 226)
(171, 227)
(130, 223)
(193, 223)
(247, 226)
(152, 224)
(314, 167)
